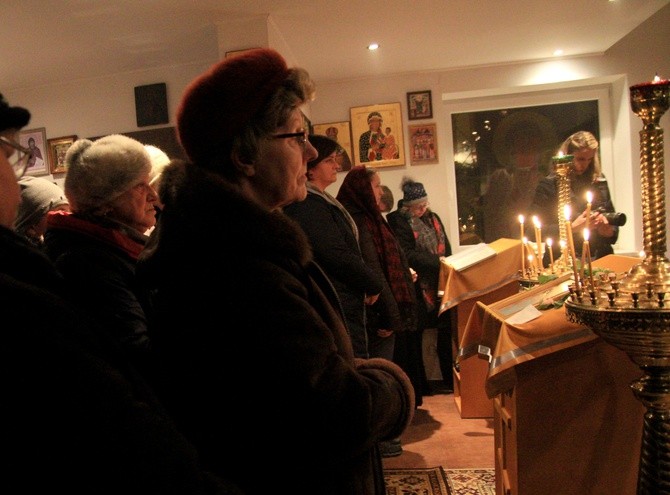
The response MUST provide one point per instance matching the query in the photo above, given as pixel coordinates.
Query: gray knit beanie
(38, 197)
(413, 192)
(100, 171)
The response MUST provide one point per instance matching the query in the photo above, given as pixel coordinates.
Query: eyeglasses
(301, 137)
(19, 158)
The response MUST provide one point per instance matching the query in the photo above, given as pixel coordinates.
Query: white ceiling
(49, 41)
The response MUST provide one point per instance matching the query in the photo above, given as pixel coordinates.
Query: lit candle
(523, 249)
(531, 264)
(587, 248)
(652, 84)
(551, 253)
(538, 242)
(589, 199)
(571, 244)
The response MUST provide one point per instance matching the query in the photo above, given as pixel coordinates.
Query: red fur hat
(219, 103)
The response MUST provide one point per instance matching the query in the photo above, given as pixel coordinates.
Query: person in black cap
(240, 299)
(77, 416)
(424, 239)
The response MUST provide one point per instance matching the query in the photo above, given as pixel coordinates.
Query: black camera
(614, 218)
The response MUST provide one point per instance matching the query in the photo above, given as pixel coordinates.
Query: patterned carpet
(438, 481)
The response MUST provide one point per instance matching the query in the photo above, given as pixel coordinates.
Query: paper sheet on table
(527, 314)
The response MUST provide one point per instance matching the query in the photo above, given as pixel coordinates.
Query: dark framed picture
(57, 149)
(419, 105)
(36, 140)
(422, 144)
(340, 132)
(151, 106)
(377, 135)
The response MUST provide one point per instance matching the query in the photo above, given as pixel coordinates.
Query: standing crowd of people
(151, 297)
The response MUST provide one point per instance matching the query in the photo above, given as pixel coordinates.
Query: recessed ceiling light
(373, 46)
(558, 53)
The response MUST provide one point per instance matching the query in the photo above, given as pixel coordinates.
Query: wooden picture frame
(385, 148)
(422, 144)
(36, 139)
(57, 149)
(151, 107)
(419, 105)
(340, 132)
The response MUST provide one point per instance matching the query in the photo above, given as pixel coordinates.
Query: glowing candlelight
(523, 249)
(538, 242)
(589, 199)
(531, 264)
(550, 243)
(587, 249)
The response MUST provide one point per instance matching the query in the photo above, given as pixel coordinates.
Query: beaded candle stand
(632, 313)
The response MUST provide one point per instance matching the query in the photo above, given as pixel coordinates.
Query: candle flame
(656, 78)
(566, 212)
(525, 240)
(642, 254)
(589, 196)
(586, 234)
(562, 244)
(536, 222)
(549, 241)
(521, 218)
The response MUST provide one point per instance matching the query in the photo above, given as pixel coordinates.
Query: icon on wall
(151, 104)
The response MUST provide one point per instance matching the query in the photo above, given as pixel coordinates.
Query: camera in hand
(614, 218)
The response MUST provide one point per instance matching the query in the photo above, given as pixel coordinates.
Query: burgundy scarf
(356, 190)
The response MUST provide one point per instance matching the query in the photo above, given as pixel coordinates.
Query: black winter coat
(246, 328)
(77, 417)
(337, 252)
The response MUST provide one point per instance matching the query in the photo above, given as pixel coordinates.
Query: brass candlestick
(563, 165)
(633, 313)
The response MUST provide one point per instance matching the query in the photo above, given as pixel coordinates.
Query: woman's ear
(244, 165)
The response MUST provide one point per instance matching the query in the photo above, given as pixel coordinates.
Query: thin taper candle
(587, 248)
(538, 242)
(523, 249)
(550, 243)
(589, 199)
(571, 244)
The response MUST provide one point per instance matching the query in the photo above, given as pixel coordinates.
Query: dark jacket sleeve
(426, 264)
(385, 312)
(334, 244)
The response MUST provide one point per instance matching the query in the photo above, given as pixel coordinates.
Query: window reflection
(501, 154)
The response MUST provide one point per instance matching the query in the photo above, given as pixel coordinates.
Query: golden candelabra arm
(563, 165)
(633, 313)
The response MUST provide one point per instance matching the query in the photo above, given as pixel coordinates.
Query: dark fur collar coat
(259, 369)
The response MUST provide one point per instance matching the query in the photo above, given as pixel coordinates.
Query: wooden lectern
(565, 420)
(488, 281)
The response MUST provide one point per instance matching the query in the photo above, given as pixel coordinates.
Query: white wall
(99, 106)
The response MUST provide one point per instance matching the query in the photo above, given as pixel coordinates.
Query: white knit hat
(100, 171)
(38, 197)
(159, 161)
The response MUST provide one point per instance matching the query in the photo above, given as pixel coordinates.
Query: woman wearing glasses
(245, 321)
(77, 416)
